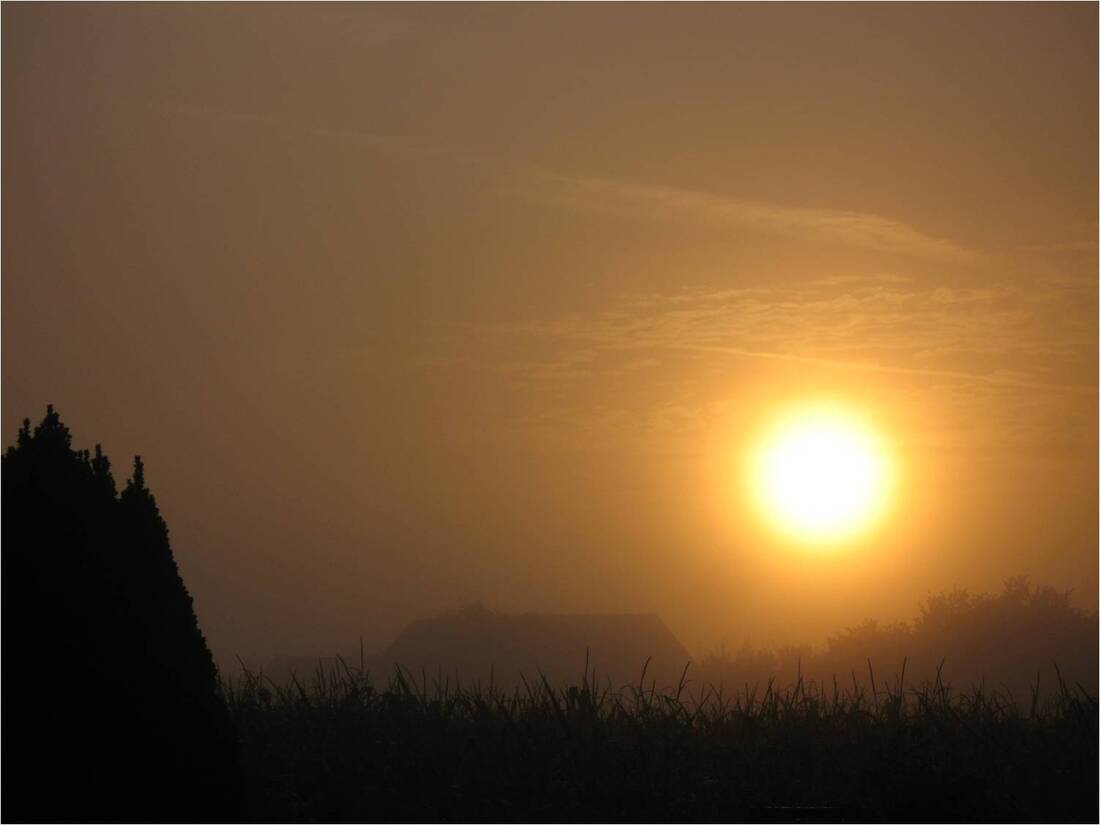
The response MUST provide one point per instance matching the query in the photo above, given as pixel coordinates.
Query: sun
(822, 475)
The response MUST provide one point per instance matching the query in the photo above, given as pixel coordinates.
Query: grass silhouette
(339, 748)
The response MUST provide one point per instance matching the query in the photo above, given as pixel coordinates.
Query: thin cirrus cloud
(857, 229)
(1000, 362)
(642, 201)
(992, 335)
(1007, 336)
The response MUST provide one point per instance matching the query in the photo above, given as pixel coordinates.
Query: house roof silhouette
(473, 642)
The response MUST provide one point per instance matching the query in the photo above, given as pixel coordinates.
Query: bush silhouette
(111, 703)
(1026, 642)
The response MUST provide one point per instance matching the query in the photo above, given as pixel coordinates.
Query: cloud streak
(1005, 365)
(662, 203)
(1006, 335)
(638, 201)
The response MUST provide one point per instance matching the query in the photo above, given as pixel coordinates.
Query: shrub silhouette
(111, 704)
(1026, 642)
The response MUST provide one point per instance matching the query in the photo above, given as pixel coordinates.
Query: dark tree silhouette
(1026, 642)
(110, 697)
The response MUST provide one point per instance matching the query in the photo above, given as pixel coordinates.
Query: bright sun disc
(822, 475)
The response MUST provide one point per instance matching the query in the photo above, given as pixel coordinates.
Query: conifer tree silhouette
(110, 695)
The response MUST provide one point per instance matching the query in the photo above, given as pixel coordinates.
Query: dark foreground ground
(342, 750)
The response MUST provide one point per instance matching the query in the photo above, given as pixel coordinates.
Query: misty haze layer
(411, 306)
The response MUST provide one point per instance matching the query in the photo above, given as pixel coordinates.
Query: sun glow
(822, 475)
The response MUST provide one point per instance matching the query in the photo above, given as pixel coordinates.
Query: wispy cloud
(1000, 335)
(1000, 362)
(640, 201)
(1008, 358)
(663, 203)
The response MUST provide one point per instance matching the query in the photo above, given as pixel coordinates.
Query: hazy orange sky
(409, 305)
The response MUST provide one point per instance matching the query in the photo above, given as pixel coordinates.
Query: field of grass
(340, 748)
